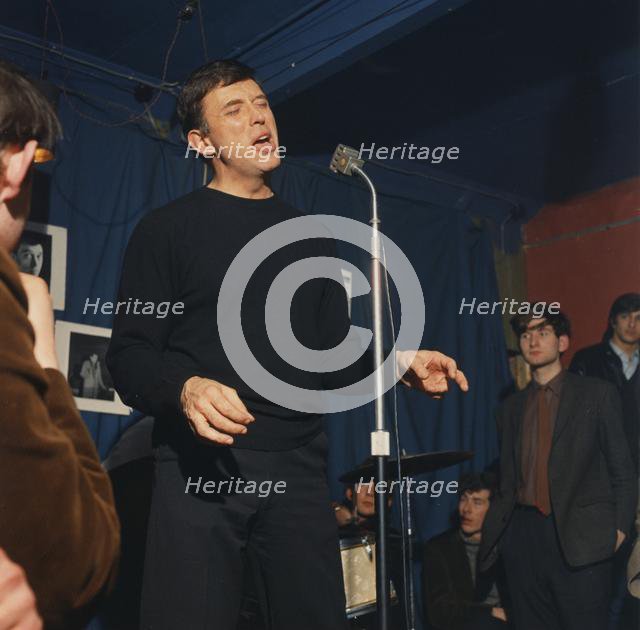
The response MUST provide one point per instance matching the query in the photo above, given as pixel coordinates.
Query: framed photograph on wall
(81, 351)
(42, 252)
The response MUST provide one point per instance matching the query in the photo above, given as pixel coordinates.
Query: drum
(358, 557)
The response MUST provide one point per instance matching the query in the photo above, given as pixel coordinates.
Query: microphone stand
(380, 437)
(347, 161)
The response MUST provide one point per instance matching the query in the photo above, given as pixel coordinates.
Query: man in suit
(456, 595)
(616, 360)
(567, 490)
(633, 568)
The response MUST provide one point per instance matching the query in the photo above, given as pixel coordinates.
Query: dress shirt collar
(629, 363)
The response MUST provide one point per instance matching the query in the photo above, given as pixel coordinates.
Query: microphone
(345, 159)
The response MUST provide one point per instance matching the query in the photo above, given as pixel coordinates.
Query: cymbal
(409, 465)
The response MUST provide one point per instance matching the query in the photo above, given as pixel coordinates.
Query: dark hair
(25, 113)
(477, 481)
(200, 82)
(558, 321)
(625, 303)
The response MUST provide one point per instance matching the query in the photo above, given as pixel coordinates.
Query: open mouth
(264, 139)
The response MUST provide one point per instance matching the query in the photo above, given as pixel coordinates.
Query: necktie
(543, 448)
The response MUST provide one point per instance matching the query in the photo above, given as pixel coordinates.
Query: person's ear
(15, 165)
(199, 142)
(349, 493)
(563, 343)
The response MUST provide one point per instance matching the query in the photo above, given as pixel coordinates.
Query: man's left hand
(429, 372)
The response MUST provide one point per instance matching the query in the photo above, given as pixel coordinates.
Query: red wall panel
(572, 257)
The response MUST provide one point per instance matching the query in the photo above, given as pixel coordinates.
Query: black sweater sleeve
(147, 374)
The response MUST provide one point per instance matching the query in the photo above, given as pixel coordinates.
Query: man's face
(472, 508)
(364, 499)
(539, 344)
(238, 115)
(15, 193)
(30, 258)
(626, 327)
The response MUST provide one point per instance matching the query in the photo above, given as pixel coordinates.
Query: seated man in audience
(457, 595)
(357, 514)
(57, 518)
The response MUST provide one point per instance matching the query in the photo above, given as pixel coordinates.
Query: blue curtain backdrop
(105, 179)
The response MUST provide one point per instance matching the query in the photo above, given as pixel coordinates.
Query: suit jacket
(450, 598)
(601, 361)
(57, 517)
(593, 487)
(633, 568)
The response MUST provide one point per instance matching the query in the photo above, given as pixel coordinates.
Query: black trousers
(199, 543)
(546, 593)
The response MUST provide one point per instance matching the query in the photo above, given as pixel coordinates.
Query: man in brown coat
(57, 517)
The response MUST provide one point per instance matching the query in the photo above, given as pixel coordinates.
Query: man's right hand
(344, 516)
(214, 411)
(17, 601)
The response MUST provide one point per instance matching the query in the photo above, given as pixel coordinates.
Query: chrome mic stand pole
(346, 160)
(380, 437)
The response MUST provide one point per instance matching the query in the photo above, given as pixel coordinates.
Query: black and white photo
(81, 351)
(42, 252)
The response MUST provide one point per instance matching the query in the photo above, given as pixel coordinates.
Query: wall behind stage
(583, 253)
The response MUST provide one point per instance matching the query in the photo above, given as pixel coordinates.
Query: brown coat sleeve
(57, 516)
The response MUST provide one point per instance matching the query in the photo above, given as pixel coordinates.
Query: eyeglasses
(42, 155)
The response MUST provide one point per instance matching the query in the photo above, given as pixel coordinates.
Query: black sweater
(180, 253)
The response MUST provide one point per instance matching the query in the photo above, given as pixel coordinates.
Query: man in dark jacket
(615, 359)
(456, 595)
(568, 490)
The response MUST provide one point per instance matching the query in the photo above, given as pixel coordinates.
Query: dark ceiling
(134, 34)
(541, 98)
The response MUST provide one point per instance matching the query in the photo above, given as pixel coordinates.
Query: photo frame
(81, 351)
(42, 252)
